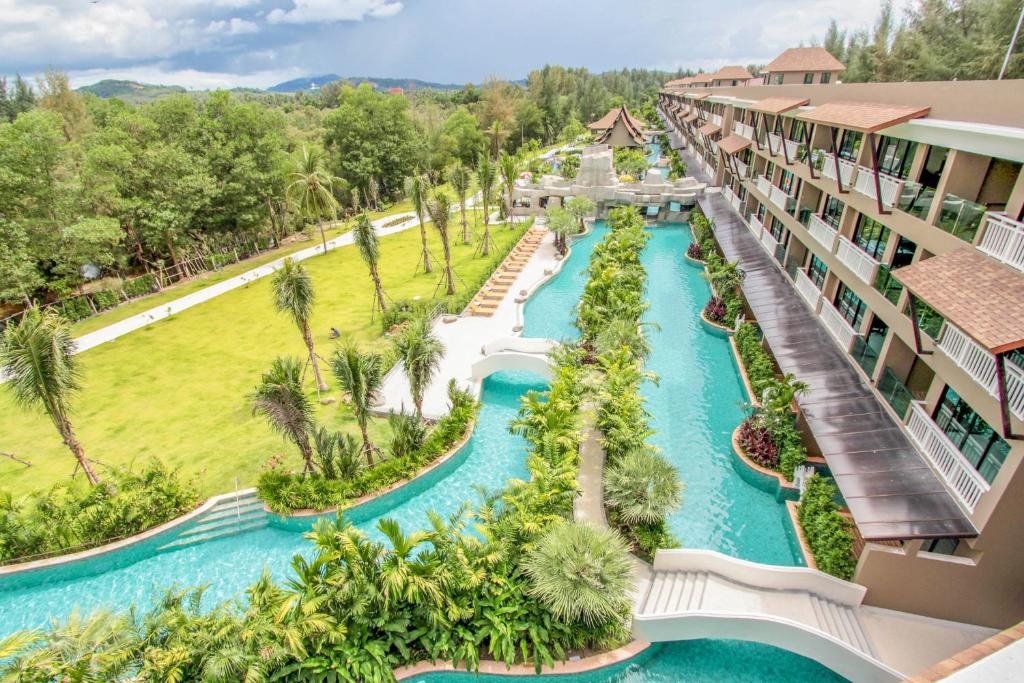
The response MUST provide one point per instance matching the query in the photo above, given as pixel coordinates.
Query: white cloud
(233, 27)
(317, 11)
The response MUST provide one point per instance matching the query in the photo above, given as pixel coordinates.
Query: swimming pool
(706, 661)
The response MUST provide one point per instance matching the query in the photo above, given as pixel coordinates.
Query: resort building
(732, 76)
(894, 215)
(803, 65)
(618, 128)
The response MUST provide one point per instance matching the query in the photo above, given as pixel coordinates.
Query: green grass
(176, 389)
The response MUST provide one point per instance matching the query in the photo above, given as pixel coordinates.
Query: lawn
(176, 390)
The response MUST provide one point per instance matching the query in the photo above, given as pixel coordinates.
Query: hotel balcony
(847, 169)
(891, 186)
(808, 291)
(770, 244)
(744, 171)
(824, 233)
(774, 144)
(776, 195)
(854, 258)
(745, 130)
(733, 199)
(755, 226)
(837, 326)
(981, 366)
(946, 458)
(716, 119)
(792, 149)
(1003, 239)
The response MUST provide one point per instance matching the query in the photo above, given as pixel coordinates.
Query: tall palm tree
(580, 207)
(312, 189)
(294, 295)
(416, 187)
(420, 352)
(562, 223)
(509, 170)
(440, 209)
(460, 178)
(365, 238)
(360, 375)
(485, 176)
(280, 399)
(36, 357)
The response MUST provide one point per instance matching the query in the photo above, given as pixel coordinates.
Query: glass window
(769, 171)
(816, 271)
(832, 212)
(777, 229)
(760, 213)
(870, 236)
(896, 156)
(866, 351)
(934, 163)
(777, 79)
(941, 546)
(850, 306)
(928, 319)
(849, 145)
(977, 441)
(808, 78)
(826, 77)
(788, 183)
(885, 282)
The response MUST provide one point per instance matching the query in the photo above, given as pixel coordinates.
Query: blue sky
(215, 43)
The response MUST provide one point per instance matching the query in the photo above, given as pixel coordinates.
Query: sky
(257, 43)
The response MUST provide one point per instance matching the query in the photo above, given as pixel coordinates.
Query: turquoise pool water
(706, 661)
(229, 565)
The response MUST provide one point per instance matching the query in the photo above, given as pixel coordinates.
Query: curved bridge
(703, 594)
(537, 363)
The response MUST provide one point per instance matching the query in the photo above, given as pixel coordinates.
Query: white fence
(981, 366)
(1003, 239)
(961, 476)
(865, 267)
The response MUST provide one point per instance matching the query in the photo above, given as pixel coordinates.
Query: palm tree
(485, 176)
(279, 398)
(36, 357)
(416, 188)
(563, 224)
(361, 376)
(509, 170)
(460, 178)
(440, 210)
(294, 295)
(312, 189)
(580, 207)
(420, 352)
(642, 488)
(583, 574)
(365, 238)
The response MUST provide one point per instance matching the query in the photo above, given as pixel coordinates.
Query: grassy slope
(177, 389)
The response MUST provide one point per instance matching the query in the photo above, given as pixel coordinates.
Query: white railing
(774, 143)
(792, 149)
(755, 226)
(981, 366)
(865, 267)
(822, 231)
(1003, 239)
(891, 185)
(732, 198)
(742, 167)
(781, 199)
(737, 203)
(716, 119)
(837, 326)
(764, 186)
(769, 242)
(955, 469)
(808, 290)
(744, 130)
(846, 168)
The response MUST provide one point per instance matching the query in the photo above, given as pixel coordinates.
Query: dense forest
(93, 188)
(935, 40)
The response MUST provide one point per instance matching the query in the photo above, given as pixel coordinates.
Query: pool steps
(233, 515)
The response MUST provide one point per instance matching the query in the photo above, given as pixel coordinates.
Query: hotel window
(734, 82)
(832, 212)
(787, 183)
(849, 145)
(978, 442)
(866, 351)
(817, 271)
(885, 282)
(777, 229)
(826, 77)
(928, 319)
(850, 306)
(760, 213)
(871, 236)
(769, 171)
(808, 78)
(776, 79)
(940, 546)
(896, 156)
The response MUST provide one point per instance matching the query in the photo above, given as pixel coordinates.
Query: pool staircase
(486, 302)
(231, 514)
(704, 594)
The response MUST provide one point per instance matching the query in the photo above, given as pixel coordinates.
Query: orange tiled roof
(731, 73)
(805, 59)
(696, 95)
(777, 105)
(690, 118)
(734, 143)
(974, 292)
(709, 129)
(866, 117)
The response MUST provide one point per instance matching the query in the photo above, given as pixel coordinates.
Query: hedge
(827, 532)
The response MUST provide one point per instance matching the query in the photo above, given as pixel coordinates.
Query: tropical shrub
(72, 515)
(695, 251)
(76, 309)
(714, 310)
(140, 286)
(827, 532)
(758, 443)
(105, 298)
(756, 360)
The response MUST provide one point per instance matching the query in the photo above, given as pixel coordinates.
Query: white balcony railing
(780, 199)
(755, 226)
(822, 231)
(846, 168)
(764, 187)
(865, 267)
(732, 198)
(742, 167)
(716, 119)
(955, 469)
(808, 290)
(891, 185)
(769, 242)
(1003, 239)
(792, 149)
(837, 326)
(981, 366)
(774, 143)
(744, 130)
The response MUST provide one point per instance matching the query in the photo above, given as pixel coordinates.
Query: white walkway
(465, 338)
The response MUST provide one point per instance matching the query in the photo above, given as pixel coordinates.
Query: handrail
(945, 457)
(1003, 239)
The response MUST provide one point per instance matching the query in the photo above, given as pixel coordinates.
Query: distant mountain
(131, 91)
(313, 82)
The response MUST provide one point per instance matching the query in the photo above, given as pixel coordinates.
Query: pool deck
(465, 336)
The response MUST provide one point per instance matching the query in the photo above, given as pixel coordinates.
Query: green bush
(76, 309)
(140, 286)
(105, 298)
(757, 362)
(827, 532)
